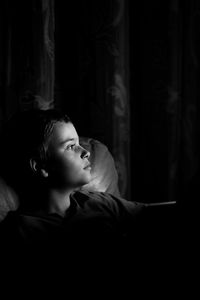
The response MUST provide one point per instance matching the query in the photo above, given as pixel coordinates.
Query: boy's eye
(71, 147)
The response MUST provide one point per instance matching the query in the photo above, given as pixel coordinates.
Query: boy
(48, 168)
(57, 226)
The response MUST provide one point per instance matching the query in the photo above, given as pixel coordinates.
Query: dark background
(152, 129)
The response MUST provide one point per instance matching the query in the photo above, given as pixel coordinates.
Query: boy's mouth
(88, 166)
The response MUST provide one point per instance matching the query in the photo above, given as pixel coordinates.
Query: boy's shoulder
(107, 201)
(87, 197)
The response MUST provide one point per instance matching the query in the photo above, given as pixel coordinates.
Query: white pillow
(104, 173)
(8, 199)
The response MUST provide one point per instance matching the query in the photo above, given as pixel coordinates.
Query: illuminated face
(68, 164)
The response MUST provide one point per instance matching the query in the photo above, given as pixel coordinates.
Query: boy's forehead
(63, 132)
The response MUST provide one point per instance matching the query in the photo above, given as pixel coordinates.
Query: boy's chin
(87, 179)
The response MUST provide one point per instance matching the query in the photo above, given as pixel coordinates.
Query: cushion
(104, 173)
(8, 199)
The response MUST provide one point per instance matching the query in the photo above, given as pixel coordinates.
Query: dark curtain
(183, 102)
(26, 55)
(189, 167)
(165, 105)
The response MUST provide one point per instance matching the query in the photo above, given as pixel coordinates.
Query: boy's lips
(88, 166)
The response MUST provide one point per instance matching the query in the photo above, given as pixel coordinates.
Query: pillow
(104, 176)
(8, 199)
(104, 173)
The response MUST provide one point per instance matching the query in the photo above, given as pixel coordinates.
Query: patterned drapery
(27, 55)
(189, 94)
(183, 102)
(120, 99)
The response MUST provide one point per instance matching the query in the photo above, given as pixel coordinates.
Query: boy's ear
(37, 168)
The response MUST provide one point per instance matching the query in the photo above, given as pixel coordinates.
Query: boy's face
(68, 164)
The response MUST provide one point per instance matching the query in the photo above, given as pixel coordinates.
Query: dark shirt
(91, 215)
(93, 220)
(99, 234)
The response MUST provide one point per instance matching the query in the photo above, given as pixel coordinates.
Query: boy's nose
(85, 153)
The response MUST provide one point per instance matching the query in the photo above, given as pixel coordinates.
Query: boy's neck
(58, 202)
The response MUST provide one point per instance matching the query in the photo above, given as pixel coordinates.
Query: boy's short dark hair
(26, 136)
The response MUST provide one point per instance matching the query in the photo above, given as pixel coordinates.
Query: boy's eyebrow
(68, 140)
